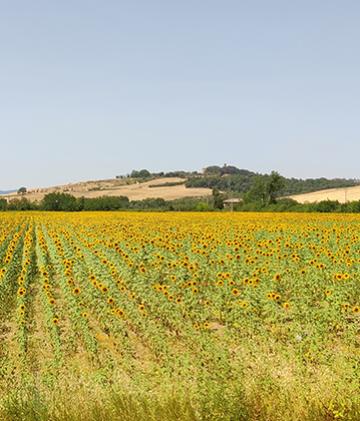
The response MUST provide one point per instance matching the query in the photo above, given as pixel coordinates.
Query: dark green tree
(140, 174)
(3, 204)
(59, 202)
(257, 192)
(218, 199)
(273, 186)
(22, 204)
(22, 190)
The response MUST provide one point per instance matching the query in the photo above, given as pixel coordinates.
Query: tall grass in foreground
(262, 394)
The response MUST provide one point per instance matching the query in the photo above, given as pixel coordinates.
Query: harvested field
(343, 195)
(122, 187)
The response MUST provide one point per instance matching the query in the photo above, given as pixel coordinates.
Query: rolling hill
(167, 188)
(232, 181)
(342, 195)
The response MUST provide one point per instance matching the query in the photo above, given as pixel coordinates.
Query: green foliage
(225, 170)
(189, 204)
(167, 184)
(218, 199)
(147, 204)
(265, 189)
(22, 204)
(3, 204)
(59, 202)
(273, 186)
(104, 203)
(202, 207)
(257, 193)
(212, 170)
(140, 174)
(328, 206)
(232, 179)
(22, 190)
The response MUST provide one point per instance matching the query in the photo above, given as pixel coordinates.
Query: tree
(22, 190)
(104, 203)
(218, 199)
(212, 170)
(202, 207)
(140, 174)
(265, 188)
(328, 206)
(22, 204)
(60, 202)
(257, 192)
(274, 185)
(3, 204)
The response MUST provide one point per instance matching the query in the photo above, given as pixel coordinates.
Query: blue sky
(91, 89)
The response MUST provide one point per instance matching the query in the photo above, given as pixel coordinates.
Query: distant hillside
(7, 191)
(342, 195)
(167, 188)
(233, 181)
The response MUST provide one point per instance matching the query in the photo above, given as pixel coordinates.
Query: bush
(3, 204)
(60, 202)
(20, 205)
(140, 174)
(328, 206)
(156, 203)
(104, 203)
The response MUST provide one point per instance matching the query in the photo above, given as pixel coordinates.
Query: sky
(92, 89)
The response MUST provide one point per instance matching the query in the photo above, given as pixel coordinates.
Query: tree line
(235, 180)
(229, 178)
(261, 199)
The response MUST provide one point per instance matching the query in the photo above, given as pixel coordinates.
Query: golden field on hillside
(134, 190)
(187, 316)
(343, 195)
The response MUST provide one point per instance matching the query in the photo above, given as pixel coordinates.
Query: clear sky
(92, 89)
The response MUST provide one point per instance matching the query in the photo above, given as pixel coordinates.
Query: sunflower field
(187, 316)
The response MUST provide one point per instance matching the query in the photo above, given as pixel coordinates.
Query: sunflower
(120, 312)
(345, 306)
(244, 304)
(235, 292)
(328, 292)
